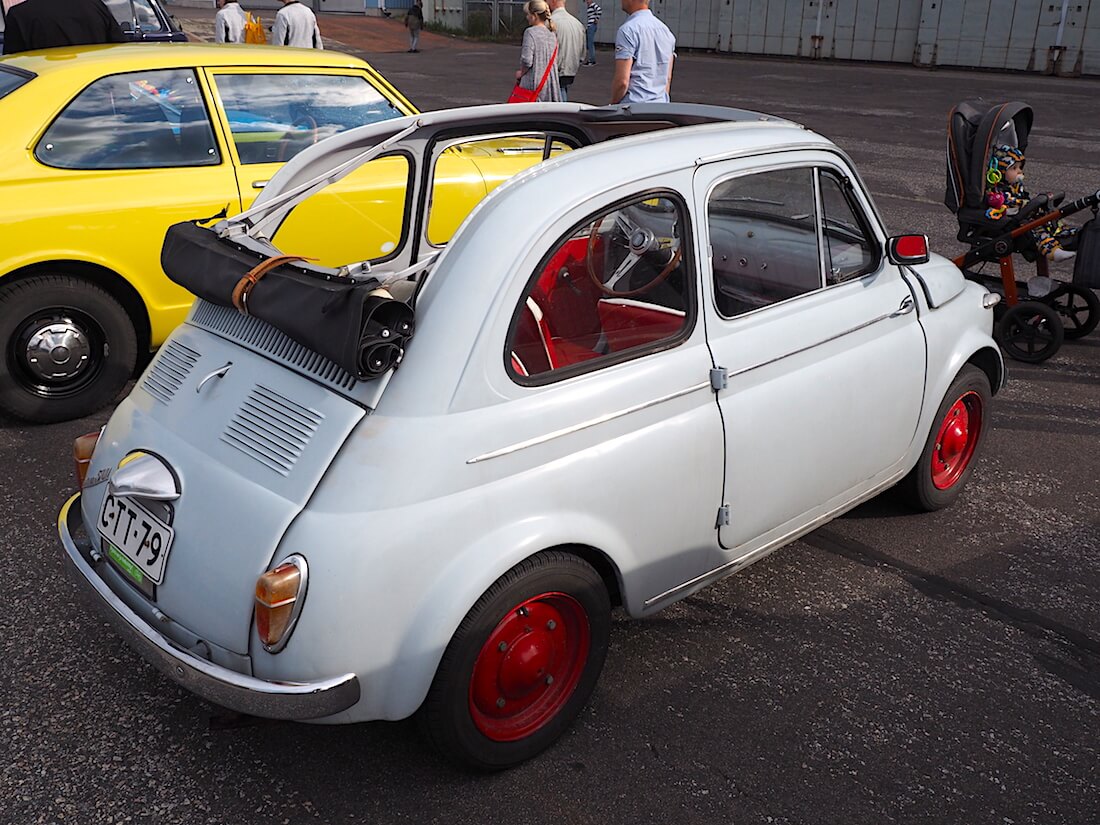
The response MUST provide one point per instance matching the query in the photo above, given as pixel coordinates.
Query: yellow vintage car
(105, 147)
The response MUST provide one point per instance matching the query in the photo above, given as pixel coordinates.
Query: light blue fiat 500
(420, 484)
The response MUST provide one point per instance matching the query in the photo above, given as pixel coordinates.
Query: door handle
(905, 308)
(259, 184)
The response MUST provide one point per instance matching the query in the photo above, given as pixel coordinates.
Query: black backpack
(1086, 266)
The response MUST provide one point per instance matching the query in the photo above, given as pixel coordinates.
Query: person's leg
(591, 43)
(416, 40)
(564, 83)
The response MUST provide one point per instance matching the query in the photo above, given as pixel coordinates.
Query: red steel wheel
(521, 665)
(955, 442)
(529, 666)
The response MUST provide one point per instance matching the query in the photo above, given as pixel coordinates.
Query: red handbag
(521, 95)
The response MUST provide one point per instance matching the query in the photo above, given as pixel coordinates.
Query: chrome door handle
(259, 184)
(906, 307)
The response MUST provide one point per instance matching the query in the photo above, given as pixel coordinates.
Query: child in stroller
(998, 219)
(1007, 196)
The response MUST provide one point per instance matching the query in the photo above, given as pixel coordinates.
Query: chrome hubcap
(58, 351)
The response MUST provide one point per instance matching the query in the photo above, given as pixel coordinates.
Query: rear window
(11, 79)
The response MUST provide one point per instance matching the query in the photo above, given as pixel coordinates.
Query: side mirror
(906, 250)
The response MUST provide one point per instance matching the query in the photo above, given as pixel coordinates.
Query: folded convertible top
(355, 323)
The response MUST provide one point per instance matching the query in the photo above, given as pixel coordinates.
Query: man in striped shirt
(594, 12)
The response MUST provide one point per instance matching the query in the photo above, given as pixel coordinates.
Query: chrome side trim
(245, 694)
(741, 562)
(823, 341)
(584, 425)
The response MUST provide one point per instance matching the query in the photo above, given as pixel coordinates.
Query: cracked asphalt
(888, 668)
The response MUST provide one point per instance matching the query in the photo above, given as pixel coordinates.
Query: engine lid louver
(173, 364)
(272, 429)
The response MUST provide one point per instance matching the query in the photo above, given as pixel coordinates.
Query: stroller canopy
(974, 130)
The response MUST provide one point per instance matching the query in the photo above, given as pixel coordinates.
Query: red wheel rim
(955, 442)
(529, 666)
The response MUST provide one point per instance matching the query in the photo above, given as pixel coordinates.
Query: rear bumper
(220, 685)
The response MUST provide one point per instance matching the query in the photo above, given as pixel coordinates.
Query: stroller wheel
(1030, 332)
(1079, 309)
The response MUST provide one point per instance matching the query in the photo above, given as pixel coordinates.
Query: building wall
(1049, 36)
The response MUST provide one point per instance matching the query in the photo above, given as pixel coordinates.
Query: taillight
(279, 596)
(83, 448)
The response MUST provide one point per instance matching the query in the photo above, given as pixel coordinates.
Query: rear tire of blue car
(521, 665)
(68, 348)
(953, 444)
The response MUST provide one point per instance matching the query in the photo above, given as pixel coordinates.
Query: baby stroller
(1034, 316)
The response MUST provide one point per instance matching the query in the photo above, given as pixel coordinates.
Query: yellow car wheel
(69, 348)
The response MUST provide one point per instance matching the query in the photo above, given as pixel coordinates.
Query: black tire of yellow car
(447, 717)
(84, 328)
(918, 488)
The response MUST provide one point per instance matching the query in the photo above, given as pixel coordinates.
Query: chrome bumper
(245, 694)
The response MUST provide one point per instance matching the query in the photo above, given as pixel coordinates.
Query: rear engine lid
(247, 440)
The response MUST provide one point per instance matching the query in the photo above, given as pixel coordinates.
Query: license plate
(142, 539)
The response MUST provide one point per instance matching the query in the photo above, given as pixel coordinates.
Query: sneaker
(1060, 254)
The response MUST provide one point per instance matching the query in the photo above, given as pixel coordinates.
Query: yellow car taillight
(83, 448)
(279, 596)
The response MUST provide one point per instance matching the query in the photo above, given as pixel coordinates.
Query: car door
(272, 114)
(127, 157)
(817, 335)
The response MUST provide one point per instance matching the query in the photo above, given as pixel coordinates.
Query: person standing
(414, 22)
(44, 24)
(296, 25)
(593, 23)
(229, 22)
(538, 54)
(570, 34)
(645, 50)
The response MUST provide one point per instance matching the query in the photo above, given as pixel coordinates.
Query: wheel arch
(989, 361)
(106, 279)
(443, 606)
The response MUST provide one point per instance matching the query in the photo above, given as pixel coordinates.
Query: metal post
(496, 18)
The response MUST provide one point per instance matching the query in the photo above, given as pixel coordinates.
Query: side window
(850, 250)
(763, 238)
(470, 169)
(147, 19)
(133, 121)
(615, 287)
(273, 117)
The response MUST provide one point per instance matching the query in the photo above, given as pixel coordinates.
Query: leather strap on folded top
(252, 277)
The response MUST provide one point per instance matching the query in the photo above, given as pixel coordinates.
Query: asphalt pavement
(889, 668)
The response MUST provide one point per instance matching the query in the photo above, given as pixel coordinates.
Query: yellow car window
(137, 120)
(273, 117)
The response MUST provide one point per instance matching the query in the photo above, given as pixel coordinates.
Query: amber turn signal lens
(278, 600)
(83, 447)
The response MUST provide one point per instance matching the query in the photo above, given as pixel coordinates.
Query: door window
(849, 249)
(614, 288)
(137, 120)
(273, 117)
(764, 239)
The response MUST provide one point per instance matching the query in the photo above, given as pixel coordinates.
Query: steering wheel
(640, 241)
(310, 124)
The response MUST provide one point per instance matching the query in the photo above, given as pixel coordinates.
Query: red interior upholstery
(567, 320)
